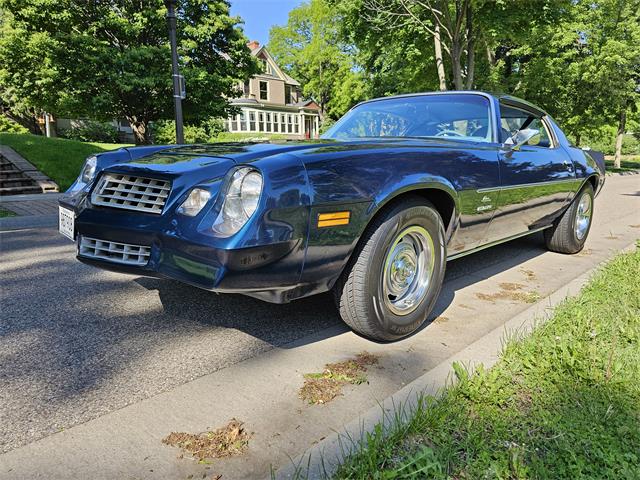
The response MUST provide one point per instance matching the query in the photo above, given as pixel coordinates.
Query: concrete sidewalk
(33, 210)
(263, 391)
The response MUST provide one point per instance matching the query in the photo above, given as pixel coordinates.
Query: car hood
(189, 157)
(208, 161)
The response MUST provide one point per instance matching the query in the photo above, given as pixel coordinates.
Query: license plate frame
(66, 222)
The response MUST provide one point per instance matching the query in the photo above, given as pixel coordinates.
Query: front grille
(114, 251)
(131, 193)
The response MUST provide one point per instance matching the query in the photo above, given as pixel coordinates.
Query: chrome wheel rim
(408, 269)
(583, 216)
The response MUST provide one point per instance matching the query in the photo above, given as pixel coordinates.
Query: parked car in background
(372, 211)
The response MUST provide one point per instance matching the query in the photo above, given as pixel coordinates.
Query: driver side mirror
(528, 136)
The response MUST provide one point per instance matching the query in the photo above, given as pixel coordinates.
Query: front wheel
(395, 275)
(570, 232)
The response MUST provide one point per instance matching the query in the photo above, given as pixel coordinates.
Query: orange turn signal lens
(333, 219)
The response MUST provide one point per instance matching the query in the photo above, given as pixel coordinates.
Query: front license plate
(66, 221)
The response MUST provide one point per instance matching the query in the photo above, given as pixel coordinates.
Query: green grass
(626, 165)
(561, 403)
(6, 213)
(58, 158)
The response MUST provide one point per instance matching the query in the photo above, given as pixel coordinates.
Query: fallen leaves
(227, 441)
(320, 388)
(510, 291)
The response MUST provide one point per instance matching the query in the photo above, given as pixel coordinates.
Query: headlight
(196, 200)
(89, 169)
(240, 202)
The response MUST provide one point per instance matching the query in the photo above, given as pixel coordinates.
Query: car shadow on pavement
(316, 318)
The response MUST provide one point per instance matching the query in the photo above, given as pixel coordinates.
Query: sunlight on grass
(562, 403)
(58, 158)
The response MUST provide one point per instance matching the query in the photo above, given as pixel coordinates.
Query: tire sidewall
(578, 244)
(396, 326)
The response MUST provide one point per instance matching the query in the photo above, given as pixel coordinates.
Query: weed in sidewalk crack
(320, 388)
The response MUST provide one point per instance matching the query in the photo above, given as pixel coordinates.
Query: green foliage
(164, 131)
(90, 131)
(563, 403)
(310, 48)
(9, 126)
(106, 60)
(60, 159)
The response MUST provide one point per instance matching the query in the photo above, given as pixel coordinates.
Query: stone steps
(19, 177)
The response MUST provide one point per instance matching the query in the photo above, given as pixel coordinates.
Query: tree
(311, 49)
(109, 59)
(585, 68)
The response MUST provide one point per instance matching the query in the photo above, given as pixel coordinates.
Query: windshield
(451, 116)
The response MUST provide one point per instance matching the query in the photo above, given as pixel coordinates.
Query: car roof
(501, 97)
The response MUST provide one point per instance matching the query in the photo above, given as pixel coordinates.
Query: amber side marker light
(333, 219)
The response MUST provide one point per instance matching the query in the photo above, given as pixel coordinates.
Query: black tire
(359, 291)
(563, 236)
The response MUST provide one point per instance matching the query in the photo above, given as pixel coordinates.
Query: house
(271, 103)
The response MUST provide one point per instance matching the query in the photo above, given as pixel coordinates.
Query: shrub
(90, 131)
(9, 126)
(164, 131)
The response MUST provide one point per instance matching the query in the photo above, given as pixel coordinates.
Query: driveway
(128, 359)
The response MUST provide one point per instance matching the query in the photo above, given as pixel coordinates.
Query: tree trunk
(456, 51)
(439, 59)
(578, 138)
(471, 56)
(621, 127)
(140, 130)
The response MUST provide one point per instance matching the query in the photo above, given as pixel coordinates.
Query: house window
(233, 124)
(287, 94)
(252, 121)
(264, 91)
(243, 123)
(268, 122)
(295, 122)
(290, 122)
(261, 122)
(275, 122)
(246, 89)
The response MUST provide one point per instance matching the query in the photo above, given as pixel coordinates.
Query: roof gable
(257, 52)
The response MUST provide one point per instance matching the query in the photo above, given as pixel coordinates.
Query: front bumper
(176, 250)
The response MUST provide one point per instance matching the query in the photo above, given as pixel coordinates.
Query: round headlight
(240, 202)
(89, 169)
(196, 200)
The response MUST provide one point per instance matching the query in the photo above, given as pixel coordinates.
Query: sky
(260, 15)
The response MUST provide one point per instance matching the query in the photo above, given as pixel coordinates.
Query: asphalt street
(77, 343)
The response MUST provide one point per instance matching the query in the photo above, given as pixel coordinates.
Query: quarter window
(513, 119)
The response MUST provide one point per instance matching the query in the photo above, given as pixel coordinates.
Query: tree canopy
(110, 59)
(310, 47)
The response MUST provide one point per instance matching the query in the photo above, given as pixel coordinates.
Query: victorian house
(271, 103)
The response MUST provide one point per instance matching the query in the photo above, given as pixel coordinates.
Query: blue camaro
(372, 211)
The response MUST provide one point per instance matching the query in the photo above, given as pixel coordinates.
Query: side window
(513, 119)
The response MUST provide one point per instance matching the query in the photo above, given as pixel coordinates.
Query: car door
(536, 180)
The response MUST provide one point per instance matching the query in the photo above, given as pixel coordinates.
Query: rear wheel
(570, 232)
(394, 277)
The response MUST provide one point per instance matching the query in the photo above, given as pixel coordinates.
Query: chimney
(253, 44)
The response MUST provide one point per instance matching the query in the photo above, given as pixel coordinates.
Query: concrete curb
(53, 196)
(28, 221)
(322, 460)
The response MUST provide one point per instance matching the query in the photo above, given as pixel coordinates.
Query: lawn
(58, 158)
(626, 164)
(561, 403)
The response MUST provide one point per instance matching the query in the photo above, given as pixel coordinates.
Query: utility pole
(178, 80)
